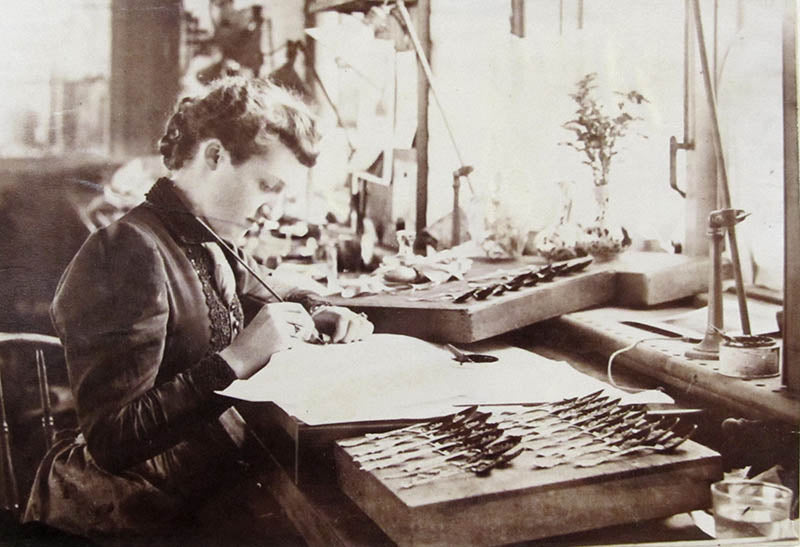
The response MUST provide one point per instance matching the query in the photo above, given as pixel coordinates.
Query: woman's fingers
(366, 327)
(351, 327)
(297, 318)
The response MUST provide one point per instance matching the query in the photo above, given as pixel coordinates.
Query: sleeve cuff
(212, 374)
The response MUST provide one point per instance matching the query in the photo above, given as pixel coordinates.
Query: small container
(747, 508)
(749, 357)
(328, 254)
(405, 244)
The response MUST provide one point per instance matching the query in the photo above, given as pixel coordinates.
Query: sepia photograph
(399, 273)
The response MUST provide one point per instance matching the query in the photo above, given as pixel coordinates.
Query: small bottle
(330, 256)
(405, 240)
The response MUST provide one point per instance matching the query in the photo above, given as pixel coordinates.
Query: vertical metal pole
(456, 236)
(720, 155)
(708, 348)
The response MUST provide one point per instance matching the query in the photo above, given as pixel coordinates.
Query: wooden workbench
(301, 474)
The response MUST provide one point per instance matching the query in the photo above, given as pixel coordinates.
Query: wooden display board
(445, 321)
(646, 279)
(519, 503)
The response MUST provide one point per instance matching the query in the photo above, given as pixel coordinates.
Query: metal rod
(456, 236)
(688, 142)
(726, 197)
(426, 67)
(48, 424)
(708, 348)
(222, 243)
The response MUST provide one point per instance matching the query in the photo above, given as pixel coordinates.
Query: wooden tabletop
(431, 314)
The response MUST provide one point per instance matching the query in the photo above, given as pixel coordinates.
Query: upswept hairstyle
(246, 115)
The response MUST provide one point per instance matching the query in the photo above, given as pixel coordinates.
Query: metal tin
(749, 357)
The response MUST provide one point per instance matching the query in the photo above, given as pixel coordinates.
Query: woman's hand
(341, 324)
(275, 328)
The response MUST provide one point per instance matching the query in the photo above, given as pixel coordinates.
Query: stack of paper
(391, 376)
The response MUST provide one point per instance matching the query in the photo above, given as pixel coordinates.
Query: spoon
(462, 357)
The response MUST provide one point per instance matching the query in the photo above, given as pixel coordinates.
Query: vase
(604, 239)
(564, 239)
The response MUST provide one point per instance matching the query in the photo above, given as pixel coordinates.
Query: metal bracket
(674, 146)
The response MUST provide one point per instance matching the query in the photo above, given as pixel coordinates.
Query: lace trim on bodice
(225, 321)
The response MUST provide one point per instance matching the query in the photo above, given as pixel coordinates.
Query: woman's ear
(213, 153)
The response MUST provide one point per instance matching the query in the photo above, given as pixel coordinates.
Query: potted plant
(597, 133)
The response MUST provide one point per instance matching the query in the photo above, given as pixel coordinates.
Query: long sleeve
(112, 313)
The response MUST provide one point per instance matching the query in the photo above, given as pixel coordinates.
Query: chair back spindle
(48, 424)
(9, 486)
(10, 493)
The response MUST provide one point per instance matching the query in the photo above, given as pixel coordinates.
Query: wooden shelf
(601, 329)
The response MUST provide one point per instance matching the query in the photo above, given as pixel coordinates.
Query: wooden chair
(34, 345)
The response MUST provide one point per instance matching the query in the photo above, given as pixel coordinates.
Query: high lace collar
(174, 212)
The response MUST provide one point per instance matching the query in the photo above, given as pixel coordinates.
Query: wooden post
(423, 27)
(145, 72)
(791, 195)
(310, 20)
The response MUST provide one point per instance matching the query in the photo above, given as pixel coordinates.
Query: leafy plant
(596, 131)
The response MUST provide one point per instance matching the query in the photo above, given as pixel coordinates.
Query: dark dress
(142, 320)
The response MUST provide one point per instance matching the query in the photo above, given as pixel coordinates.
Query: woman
(150, 315)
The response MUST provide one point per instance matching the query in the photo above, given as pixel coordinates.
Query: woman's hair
(246, 115)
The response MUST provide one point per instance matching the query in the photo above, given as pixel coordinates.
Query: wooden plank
(401, 313)
(518, 504)
(791, 177)
(646, 279)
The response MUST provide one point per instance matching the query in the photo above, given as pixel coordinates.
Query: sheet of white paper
(391, 376)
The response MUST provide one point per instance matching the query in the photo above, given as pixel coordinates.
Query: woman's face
(257, 187)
